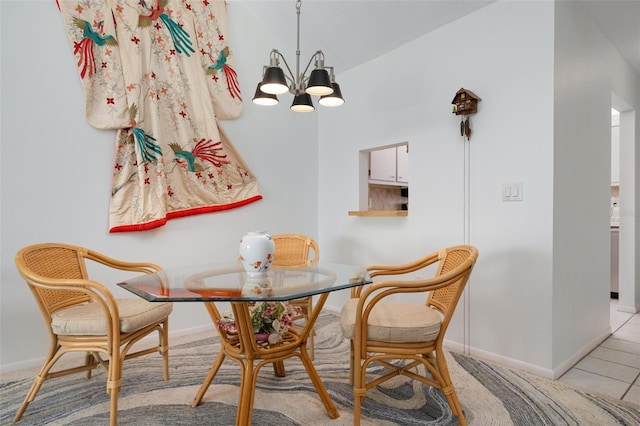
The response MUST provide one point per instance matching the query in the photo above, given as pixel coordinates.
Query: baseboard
(489, 356)
(531, 368)
(25, 365)
(499, 359)
(455, 346)
(36, 363)
(628, 309)
(516, 364)
(584, 351)
(332, 309)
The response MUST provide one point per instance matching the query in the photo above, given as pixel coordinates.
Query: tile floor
(613, 368)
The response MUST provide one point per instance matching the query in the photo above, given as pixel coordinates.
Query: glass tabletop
(228, 282)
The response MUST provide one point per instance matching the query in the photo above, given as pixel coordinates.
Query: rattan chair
(382, 331)
(83, 316)
(297, 251)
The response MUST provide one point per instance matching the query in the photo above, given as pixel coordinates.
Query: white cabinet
(383, 164)
(402, 164)
(389, 166)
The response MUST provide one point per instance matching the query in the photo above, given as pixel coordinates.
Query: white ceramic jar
(256, 252)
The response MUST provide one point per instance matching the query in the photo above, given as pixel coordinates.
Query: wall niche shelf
(380, 213)
(383, 181)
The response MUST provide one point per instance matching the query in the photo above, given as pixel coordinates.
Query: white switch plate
(512, 191)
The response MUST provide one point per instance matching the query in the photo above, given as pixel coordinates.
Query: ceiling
(351, 32)
(619, 21)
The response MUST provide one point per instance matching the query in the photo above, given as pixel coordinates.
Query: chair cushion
(89, 319)
(394, 322)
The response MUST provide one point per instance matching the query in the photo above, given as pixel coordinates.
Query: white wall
(56, 171)
(537, 299)
(512, 141)
(588, 71)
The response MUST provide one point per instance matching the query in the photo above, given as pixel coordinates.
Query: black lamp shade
(266, 99)
(273, 82)
(319, 83)
(302, 103)
(333, 100)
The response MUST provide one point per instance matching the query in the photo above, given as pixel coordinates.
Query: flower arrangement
(269, 318)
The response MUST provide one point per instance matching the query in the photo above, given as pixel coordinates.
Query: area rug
(490, 394)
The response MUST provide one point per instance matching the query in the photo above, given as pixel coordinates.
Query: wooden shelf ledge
(380, 213)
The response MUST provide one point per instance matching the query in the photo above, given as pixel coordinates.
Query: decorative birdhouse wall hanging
(465, 102)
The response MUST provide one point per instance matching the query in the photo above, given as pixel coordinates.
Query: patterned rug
(490, 394)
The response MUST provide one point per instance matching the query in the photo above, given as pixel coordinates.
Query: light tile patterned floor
(613, 368)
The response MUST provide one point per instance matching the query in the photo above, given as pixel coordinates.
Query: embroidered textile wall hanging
(161, 73)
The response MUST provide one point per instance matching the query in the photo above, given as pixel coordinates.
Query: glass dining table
(228, 282)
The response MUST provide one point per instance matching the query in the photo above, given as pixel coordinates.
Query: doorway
(614, 208)
(623, 195)
(616, 319)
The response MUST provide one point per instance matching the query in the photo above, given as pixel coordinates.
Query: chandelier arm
(289, 77)
(331, 74)
(318, 53)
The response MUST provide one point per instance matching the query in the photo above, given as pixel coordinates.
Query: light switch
(512, 191)
(516, 191)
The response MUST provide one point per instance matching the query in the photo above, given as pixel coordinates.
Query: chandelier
(319, 83)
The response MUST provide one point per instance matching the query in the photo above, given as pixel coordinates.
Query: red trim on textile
(58, 4)
(140, 227)
(182, 213)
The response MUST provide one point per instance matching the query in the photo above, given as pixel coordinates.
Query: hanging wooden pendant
(462, 127)
(467, 129)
